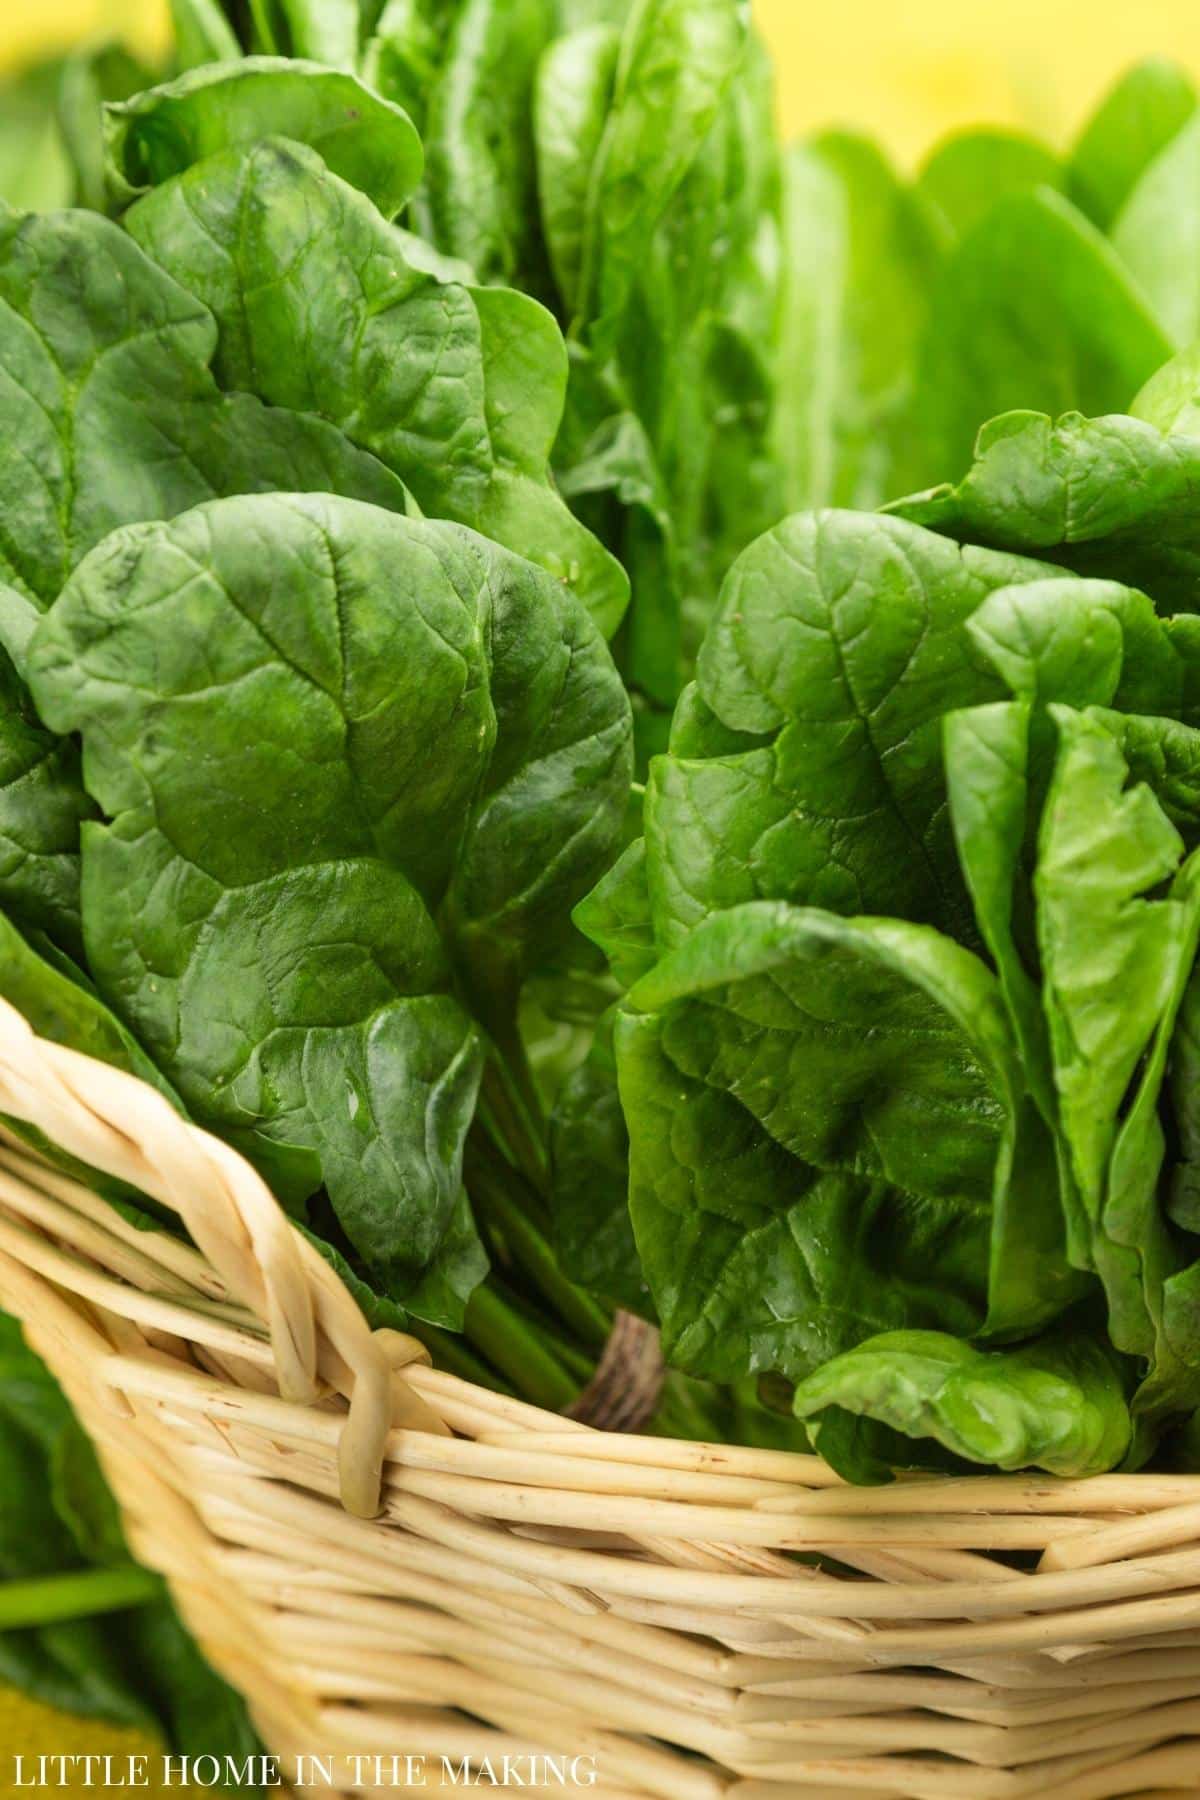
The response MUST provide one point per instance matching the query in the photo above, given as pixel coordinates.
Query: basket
(391, 1563)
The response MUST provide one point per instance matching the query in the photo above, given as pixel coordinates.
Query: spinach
(967, 174)
(446, 747)
(840, 641)
(1146, 108)
(1156, 234)
(1081, 334)
(322, 308)
(1060, 1404)
(1113, 497)
(850, 818)
(436, 427)
(861, 254)
(361, 138)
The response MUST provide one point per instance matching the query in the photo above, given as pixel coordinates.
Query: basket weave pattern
(386, 1559)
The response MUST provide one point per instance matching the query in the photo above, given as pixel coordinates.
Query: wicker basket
(389, 1561)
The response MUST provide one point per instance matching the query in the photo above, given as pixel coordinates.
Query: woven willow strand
(386, 1559)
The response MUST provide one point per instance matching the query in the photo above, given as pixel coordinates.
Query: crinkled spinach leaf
(458, 390)
(1112, 497)
(798, 1087)
(839, 643)
(1058, 1403)
(442, 747)
(363, 138)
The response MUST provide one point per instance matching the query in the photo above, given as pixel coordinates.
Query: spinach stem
(578, 1362)
(84, 1594)
(520, 1123)
(514, 1346)
(494, 1203)
(450, 1352)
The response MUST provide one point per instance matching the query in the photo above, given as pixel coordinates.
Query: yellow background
(908, 70)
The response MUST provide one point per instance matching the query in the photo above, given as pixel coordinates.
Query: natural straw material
(518, 1583)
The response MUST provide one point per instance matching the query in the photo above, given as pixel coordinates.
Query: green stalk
(493, 1201)
(507, 1340)
(57, 1599)
(449, 1352)
(579, 1363)
(511, 1095)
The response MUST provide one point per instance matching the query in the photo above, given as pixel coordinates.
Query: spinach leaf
(293, 973)
(967, 174)
(572, 97)
(42, 804)
(1111, 496)
(589, 1148)
(774, 1147)
(1157, 234)
(479, 140)
(404, 54)
(676, 62)
(202, 33)
(458, 390)
(1058, 1403)
(109, 413)
(1144, 110)
(1079, 335)
(91, 77)
(35, 168)
(1116, 962)
(839, 643)
(1170, 398)
(368, 142)
(860, 257)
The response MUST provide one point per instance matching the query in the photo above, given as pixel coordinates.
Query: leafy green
(363, 139)
(1103, 851)
(457, 389)
(571, 104)
(202, 33)
(861, 253)
(1157, 233)
(106, 360)
(676, 62)
(92, 77)
(1079, 335)
(968, 173)
(293, 974)
(1137, 119)
(840, 642)
(589, 1147)
(479, 139)
(35, 169)
(440, 345)
(1111, 496)
(1059, 1404)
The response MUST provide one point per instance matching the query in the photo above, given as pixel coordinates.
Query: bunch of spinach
(394, 445)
